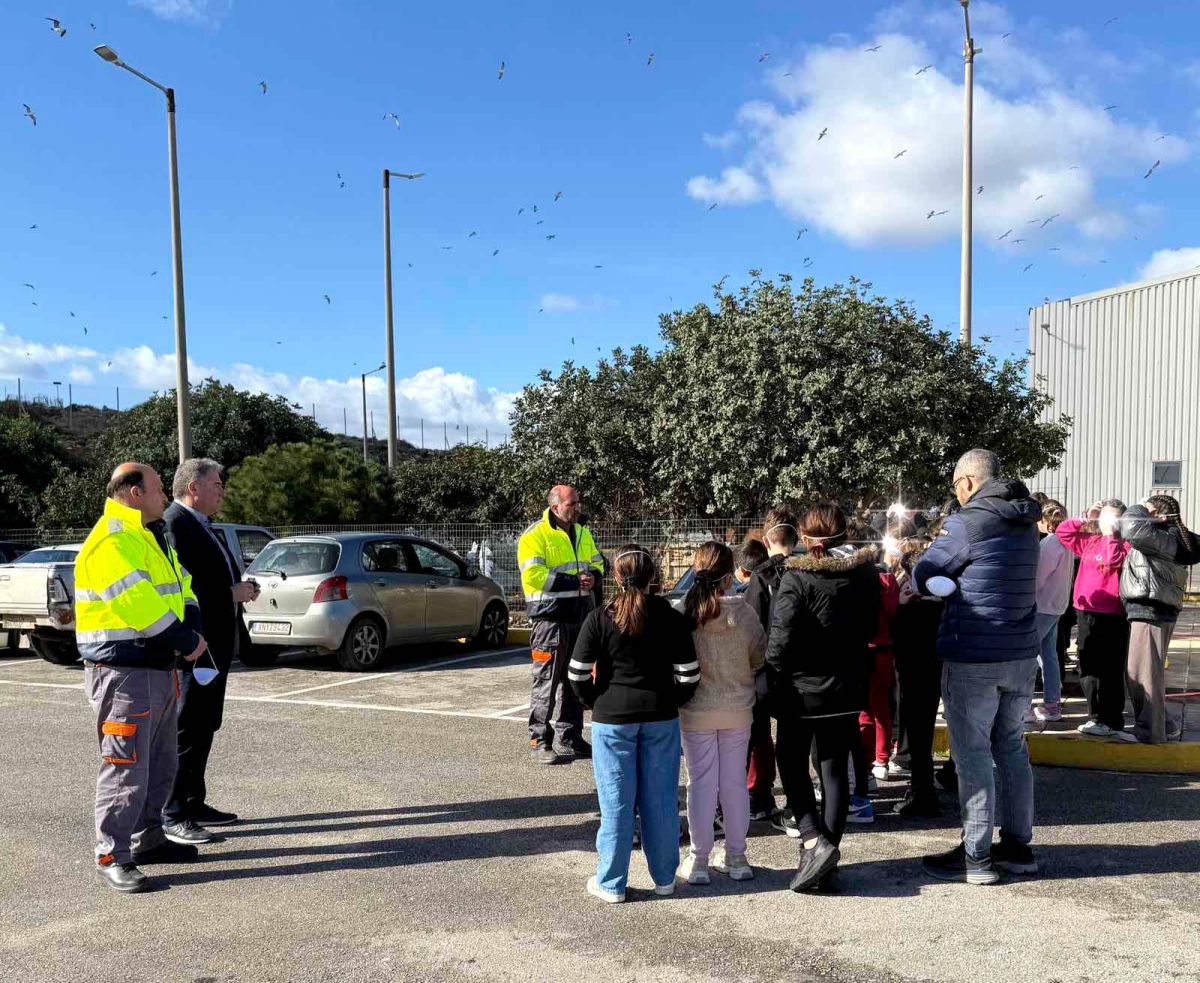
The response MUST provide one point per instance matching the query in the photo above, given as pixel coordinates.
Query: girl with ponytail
(634, 665)
(729, 643)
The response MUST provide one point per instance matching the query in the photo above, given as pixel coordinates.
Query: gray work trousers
(1145, 679)
(136, 713)
(555, 713)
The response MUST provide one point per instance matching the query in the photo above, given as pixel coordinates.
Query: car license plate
(270, 627)
(18, 624)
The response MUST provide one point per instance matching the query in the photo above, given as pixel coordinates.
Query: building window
(1167, 474)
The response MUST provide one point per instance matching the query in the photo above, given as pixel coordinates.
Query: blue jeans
(985, 704)
(1047, 626)
(637, 766)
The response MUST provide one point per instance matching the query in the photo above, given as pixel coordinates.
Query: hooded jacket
(990, 549)
(1098, 581)
(1154, 575)
(762, 587)
(824, 615)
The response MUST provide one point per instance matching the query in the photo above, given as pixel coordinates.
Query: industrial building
(1124, 364)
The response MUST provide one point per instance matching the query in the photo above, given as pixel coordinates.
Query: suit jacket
(212, 581)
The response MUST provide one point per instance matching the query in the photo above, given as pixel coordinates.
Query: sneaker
(815, 863)
(1093, 728)
(785, 822)
(1030, 717)
(735, 866)
(955, 865)
(125, 878)
(1016, 858)
(818, 792)
(896, 770)
(861, 810)
(582, 749)
(1174, 728)
(188, 832)
(206, 816)
(1125, 735)
(764, 814)
(947, 778)
(596, 891)
(879, 771)
(1048, 713)
(548, 756)
(564, 751)
(664, 890)
(694, 870)
(919, 805)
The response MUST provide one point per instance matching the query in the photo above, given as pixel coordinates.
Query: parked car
(10, 551)
(357, 594)
(36, 599)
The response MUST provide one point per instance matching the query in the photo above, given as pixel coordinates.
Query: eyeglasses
(961, 477)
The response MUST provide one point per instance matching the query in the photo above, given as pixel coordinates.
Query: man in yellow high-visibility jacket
(561, 574)
(134, 614)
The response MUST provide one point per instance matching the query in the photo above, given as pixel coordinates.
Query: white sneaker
(596, 891)
(1125, 735)
(1030, 717)
(879, 771)
(1093, 728)
(694, 871)
(735, 866)
(664, 890)
(1048, 713)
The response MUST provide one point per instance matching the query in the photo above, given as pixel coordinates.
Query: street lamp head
(382, 365)
(107, 53)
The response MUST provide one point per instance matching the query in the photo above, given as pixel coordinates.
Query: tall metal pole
(387, 293)
(969, 53)
(181, 371)
(364, 391)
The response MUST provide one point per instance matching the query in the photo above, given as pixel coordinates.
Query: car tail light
(59, 601)
(331, 589)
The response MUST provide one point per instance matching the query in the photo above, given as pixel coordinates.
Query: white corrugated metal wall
(1125, 365)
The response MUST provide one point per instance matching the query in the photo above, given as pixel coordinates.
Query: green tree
(464, 484)
(30, 454)
(305, 484)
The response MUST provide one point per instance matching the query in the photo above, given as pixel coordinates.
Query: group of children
(818, 641)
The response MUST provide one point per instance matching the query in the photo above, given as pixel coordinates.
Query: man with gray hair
(198, 490)
(985, 564)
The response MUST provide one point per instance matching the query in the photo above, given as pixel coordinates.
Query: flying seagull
(650, 60)
(598, 266)
(92, 26)
(808, 261)
(551, 236)
(1108, 108)
(901, 154)
(500, 71)
(1152, 170)
(1039, 197)
(821, 135)
(924, 70)
(1161, 136)
(534, 209)
(1005, 236)
(263, 86)
(394, 118)
(540, 221)
(801, 232)
(72, 313)
(327, 300)
(1015, 241)
(34, 226)
(933, 214)
(557, 195)
(56, 27)
(472, 235)
(29, 113)
(1050, 219)
(495, 252)
(1006, 34)
(764, 56)
(1027, 268)
(628, 38)
(31, 286)
(712, 206)
(447, 247)
(1111, 20)
(1056, 249)
(521, 209)
(979, 190)
(876, 48)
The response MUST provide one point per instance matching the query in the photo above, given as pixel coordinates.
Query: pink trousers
(716, 766)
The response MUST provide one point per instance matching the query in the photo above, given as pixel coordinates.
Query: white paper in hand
(941, 586)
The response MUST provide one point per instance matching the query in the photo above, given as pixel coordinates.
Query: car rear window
(296, 559)
(48, 556)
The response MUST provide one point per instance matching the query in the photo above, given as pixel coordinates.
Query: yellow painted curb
(1068, 749)
(518, 636)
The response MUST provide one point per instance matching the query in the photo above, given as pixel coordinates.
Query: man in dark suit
(198, 489)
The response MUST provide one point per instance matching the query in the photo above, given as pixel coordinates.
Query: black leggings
(834, 737)
(920, 692)
(1103, 641)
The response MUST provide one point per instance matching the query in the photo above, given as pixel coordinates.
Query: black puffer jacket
(1154, 577)
(824, 615)
(763, 585)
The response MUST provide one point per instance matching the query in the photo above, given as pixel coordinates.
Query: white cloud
(433, 394)
(721, 141)
(558, 303)
(1167, 261)
(736, 186)
(206, 12)
(1038, 153)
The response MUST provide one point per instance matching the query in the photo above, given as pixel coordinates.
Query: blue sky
(640, 152)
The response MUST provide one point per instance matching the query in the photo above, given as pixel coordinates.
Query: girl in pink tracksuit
(1103, 638)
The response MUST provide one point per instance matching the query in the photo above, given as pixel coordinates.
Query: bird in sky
(821, 135)
(394, 118)
(933, 214)
(1027, 268)
(263, 86)
(1015, 241)
(327, 300)
(72, 313)
(572, 341)
(56, 27)
(979, 190)
(876, 48)
(541, 309)
(1005, 236)
(551, 236)
(521, 209)
(923, 70)
(1056, 249)
(1039, 197)
(108, 365)
(500, 70)
(1006, 34)
(808, 261)
(650, 60)
(533, 208)
(85, 329)
(1152, 169)
(901, 154)
(1111, 20)
(557, 195)
(495, 252)
(29, 113)
(1109, 108)
(341, 183)
(540, 221)
(801, 232)
(92, 26)
(1073, 167)
(1050, 219)
(1161, 136)
(31, 286)
(764, 56)
(32, 227)
(628, 38)
(447, 247)
(155, 273)
(598, 266)
(472, 235)
(713, 205)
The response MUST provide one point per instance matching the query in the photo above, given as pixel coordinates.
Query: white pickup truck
(37, 591)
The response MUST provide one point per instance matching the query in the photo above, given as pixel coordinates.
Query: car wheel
(52, 650)
(493, 627)
(257, 656)
(362, 648)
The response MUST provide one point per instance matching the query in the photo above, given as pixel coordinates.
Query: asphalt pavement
(394, 829)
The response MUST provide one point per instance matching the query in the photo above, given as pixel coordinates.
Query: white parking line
(464, 658)
(342, 705)
(13, 663)
(505, 713)
(12, 682)
(342, 682)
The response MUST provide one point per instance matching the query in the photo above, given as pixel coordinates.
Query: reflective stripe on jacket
(134, 604)
(550, 566)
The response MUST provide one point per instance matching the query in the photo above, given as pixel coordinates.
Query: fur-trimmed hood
(832, 562)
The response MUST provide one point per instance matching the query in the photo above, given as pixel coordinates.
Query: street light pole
(181, 372)
(969, 53)
(390, 354)
(364, 401)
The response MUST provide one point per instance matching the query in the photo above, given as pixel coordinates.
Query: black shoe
(582, 749)
(919, 805)
(1014, 857)
(763, 811)
(187, 831)
(955, 865)
(206, 815)
(815, 863)
(548, 756)
(125, 878)
(830, 883)
(948, 779)
(167, 853)
(785, 822)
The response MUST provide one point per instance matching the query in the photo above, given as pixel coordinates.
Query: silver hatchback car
(357, 594)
